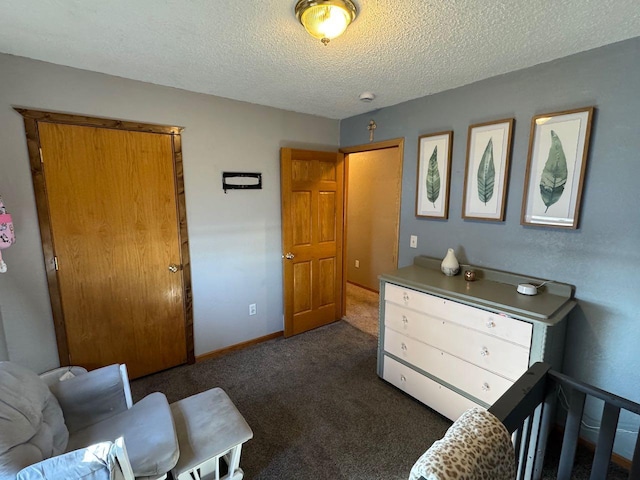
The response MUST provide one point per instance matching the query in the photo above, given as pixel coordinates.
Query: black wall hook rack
(241, 181)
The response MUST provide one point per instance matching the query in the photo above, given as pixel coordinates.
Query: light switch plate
(414, 241)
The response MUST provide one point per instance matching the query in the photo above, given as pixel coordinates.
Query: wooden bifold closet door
(114, 226)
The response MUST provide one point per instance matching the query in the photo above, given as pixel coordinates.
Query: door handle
(288, 256)
(173, 268)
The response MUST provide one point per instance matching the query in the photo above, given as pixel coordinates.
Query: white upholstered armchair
(78, 428)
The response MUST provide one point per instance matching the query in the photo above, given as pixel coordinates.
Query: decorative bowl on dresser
(454, 344)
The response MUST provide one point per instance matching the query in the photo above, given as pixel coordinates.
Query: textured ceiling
(256, 51)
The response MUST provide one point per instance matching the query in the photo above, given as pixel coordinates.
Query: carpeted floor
(316, 407)
(318, 410)
(362, 309)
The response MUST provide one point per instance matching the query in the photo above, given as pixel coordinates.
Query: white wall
(234, 238)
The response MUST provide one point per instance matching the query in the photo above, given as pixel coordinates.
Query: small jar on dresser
(455, 344)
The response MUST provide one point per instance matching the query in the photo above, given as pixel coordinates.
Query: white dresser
(454, 344)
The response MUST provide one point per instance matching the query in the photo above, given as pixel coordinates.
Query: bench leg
(211, 468)
(233, 461)
(202, 471)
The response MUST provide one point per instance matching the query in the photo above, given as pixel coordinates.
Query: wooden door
(114, 228)
(312, 226)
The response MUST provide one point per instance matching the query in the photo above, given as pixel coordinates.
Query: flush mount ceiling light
(325, 19)
(367, 97)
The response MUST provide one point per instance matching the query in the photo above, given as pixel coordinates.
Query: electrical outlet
(252, 309)
(414, 241)
(357, 263)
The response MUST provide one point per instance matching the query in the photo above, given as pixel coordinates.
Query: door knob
(289, 256)
(173, 268)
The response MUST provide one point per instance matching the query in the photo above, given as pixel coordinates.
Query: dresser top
(492, 290)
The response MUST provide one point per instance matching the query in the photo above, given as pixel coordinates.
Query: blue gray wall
(602, 257)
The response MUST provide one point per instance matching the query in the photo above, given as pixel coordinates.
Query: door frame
(369, 147)
(31, 120)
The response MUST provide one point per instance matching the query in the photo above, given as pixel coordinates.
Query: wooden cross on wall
(372, 126)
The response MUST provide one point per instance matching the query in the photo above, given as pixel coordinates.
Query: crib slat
(606, 437)
(634, 471)
(533, 441)
(524, 448)
(571, 431)
(548, 413)
(517, 443)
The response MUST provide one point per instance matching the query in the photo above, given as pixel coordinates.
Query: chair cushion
(32, 426)
(91, 398)
(148, 432)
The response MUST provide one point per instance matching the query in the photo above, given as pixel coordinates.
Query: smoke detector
(367, 97)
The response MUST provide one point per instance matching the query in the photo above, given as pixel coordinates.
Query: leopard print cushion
(477, 446)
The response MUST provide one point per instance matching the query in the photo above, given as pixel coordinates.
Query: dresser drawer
(440, 398)
(409, 298)
(479, 383)
(410, 322)
(486, 351)
(491, 323)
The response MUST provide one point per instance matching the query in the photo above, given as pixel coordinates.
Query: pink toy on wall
(7, 235)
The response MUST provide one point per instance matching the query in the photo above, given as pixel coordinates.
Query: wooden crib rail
(524, 396)
(577, 392)
(527, 409)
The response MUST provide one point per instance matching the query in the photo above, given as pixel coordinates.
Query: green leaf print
(486, 174)
(433, 178)
(554, 175)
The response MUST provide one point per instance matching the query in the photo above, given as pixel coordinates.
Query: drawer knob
(405, 320)
(485, 387)
(491, 324)
(404, 347)
(405, 297)
(403, 378)
(484, 352)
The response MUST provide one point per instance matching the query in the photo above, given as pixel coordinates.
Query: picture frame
(487, 170)
(434, 175)
(556, 166)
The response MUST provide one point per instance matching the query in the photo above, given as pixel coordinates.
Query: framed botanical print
(434, 175)
(487, 170)
(556, 166)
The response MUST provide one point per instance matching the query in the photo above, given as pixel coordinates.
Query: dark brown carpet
(318, 410)
(316, 406)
